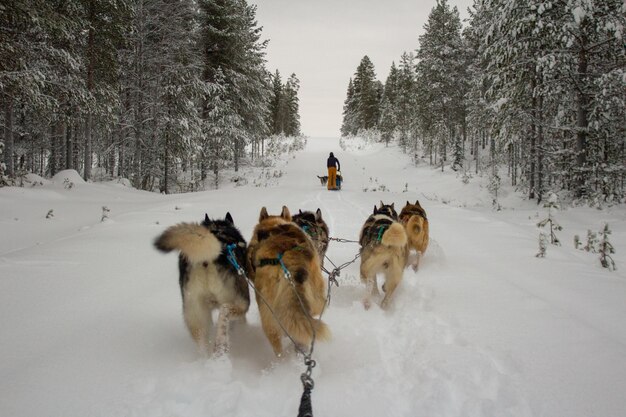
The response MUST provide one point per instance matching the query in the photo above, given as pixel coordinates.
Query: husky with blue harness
(209, 277)
(384, 249)
(290, 289)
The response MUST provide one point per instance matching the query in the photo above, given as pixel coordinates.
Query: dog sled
(339, 180)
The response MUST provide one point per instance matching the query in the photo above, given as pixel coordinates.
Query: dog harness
(230, 255)
(278, 260)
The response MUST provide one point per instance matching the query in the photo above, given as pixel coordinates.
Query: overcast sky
(323, 41)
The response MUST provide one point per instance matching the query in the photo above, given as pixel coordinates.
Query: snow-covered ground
(91, 323)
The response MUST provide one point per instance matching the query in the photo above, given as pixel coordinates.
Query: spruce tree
(440, 74)
(349, 125)
(388, 112)
(606, 249)
(552, 205)
(292, 106)
(231, 44)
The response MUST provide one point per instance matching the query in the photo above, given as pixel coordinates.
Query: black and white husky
(210, 253)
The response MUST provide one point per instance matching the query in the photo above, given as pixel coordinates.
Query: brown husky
(413, 217)
(287, 276)
(208, 278)
(383, 249)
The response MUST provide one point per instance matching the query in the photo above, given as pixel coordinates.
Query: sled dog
(413, 217)
(317, 229)
(288, 277)
(208, 280)
(384, 249)
(323, 179)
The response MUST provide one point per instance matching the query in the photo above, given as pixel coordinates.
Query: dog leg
(414, 260)
(222, 339)
(272, 331)
(198, 320)
(393, 276)
(371, 289)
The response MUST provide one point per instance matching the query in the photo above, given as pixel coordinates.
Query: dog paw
(367, 303)
(415, 267)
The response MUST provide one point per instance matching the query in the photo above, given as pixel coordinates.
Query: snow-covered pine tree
(276, 105)
(366, 95)
(349, 124)
(406, 104)
(552, 204)
(441, 77)
(223, 127)
(40, 63)
(292, 106)
(231, 44)
(107, 24)
(606, 249)
(585, 66)
(387, 123)
(178, 88)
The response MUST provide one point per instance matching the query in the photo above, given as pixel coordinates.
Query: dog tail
(415, 224)
(394, 235)
(298, 322)
(193, 240)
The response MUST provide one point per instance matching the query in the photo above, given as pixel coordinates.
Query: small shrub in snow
(606, 249)
(552, 205)
(406, 187)
(466, 177)
(50, 214)
(592, 242)
(67, 184)
(543, 245)
(494, 188)
(105, 213)
(577, 242)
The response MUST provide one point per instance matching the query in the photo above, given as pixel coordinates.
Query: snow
(579, 14)
(92, 326)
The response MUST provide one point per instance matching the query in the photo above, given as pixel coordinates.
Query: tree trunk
(8, 137)
(540, 149)
(581, 118)
(533, 141)
(68, 146)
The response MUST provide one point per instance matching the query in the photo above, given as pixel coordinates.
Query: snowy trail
(91, 322)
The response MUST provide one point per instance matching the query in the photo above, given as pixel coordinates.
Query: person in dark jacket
(333, 166)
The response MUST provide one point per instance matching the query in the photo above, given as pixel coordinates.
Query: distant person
(333, 166)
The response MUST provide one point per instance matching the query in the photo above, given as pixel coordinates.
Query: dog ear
(300, 211)
(318, 215)
(381, 204)
(263, 214)
(392, 206)
(285, 214)
(229, 218)
(375, 209)
(206, 221)
(407, 203)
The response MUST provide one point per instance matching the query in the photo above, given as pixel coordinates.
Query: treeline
(150, 90)
(535, 86)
